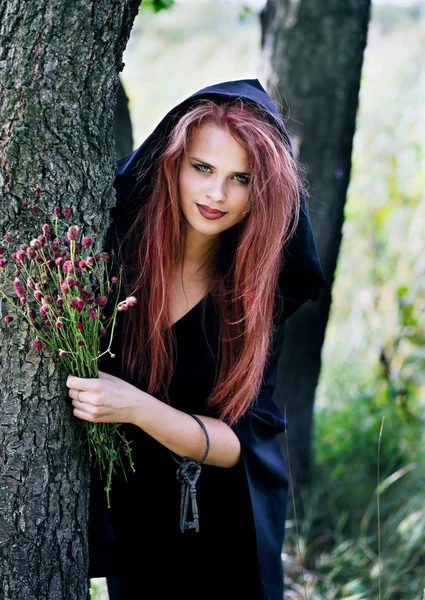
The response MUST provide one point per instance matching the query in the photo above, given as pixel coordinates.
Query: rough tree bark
(312, 61)
(59, 65)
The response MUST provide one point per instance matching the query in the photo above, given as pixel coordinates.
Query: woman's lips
(208, 213)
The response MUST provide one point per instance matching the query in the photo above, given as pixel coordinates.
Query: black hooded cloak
(251, 522)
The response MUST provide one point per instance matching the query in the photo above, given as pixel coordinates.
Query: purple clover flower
(77, 303)
(70, 281)
(68, 266)
(19, 288)
(35, 243)
(72, 232)
(101, 301)
(86, 242)
(38, 344)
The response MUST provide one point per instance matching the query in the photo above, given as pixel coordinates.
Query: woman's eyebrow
(204, 162)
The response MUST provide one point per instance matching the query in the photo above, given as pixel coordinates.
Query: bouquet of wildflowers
(63, 288)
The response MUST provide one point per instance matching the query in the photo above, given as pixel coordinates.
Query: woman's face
(214, 174)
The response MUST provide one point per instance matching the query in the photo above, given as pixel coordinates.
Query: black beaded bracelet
(187, 475)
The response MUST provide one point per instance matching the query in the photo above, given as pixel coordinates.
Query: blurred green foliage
(157, 5)
(98, 589)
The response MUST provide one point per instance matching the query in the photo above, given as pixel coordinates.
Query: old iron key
(187, 475)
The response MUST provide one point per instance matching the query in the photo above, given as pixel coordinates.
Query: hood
(301, 277)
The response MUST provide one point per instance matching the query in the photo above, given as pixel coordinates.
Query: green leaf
(157, 5)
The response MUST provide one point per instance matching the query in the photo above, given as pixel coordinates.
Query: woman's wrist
(142, 404)
(180, 433)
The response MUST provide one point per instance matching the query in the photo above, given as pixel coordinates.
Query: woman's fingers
(86, 411)
(86, 408)
(80, 383)
(85, 397)
(77, 397)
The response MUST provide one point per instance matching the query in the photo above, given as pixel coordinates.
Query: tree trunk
(312, 60)
(59, 65)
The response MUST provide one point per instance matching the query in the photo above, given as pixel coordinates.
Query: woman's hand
(106, 399)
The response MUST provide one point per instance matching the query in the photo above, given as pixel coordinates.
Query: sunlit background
(375, 339)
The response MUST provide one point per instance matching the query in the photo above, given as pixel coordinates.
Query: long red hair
(244, 291)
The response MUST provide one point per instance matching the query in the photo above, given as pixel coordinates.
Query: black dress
(140, 541)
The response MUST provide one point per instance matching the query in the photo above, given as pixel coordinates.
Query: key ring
(187, 475)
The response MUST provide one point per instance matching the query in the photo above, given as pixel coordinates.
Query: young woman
(213, 230)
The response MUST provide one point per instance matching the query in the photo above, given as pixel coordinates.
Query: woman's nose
(217, 190)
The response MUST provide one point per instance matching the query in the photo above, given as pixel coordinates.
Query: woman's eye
(243, 179)
(201, 168)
